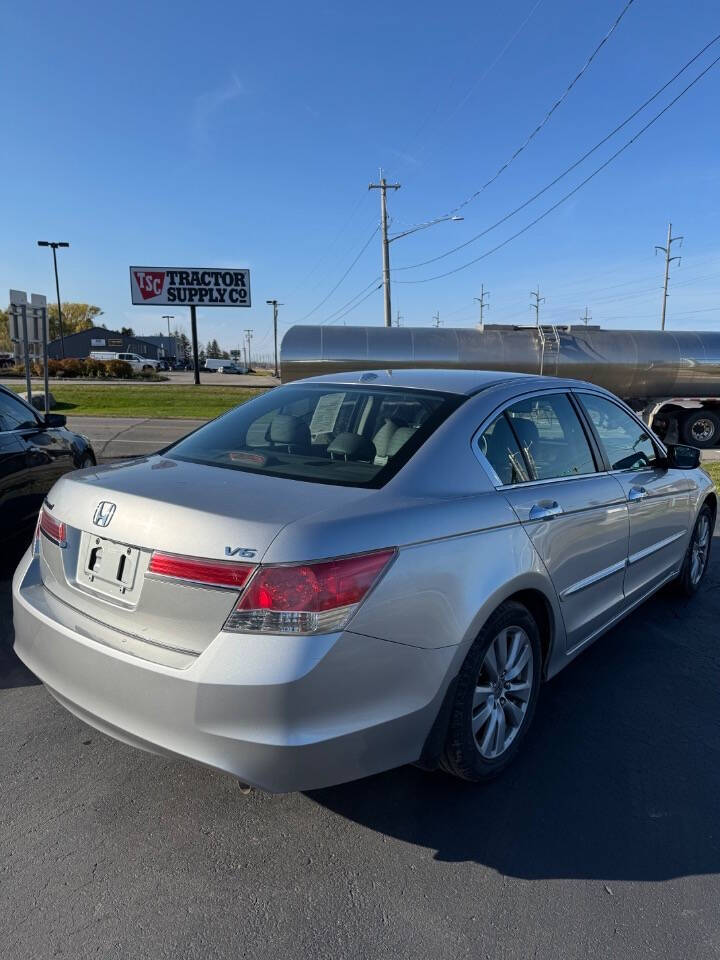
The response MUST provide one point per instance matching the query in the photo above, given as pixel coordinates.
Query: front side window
(323, 433)
(627, 443)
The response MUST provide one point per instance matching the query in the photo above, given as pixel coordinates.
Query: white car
(136, 362)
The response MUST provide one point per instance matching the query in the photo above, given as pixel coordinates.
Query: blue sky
(226, 134)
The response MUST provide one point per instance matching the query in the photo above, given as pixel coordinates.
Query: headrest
(290, 430)
(351, 446)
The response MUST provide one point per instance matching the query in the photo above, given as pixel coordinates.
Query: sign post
(28, 331)
(193, 287)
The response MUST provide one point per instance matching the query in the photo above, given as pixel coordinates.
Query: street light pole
(275, 306)
(55, 245)
(168, 317)
(383, 187)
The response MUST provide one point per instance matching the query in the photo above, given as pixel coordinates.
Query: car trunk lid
(117, 515)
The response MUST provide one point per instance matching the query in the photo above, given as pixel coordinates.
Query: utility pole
(436, 319)
(383, 187)
(55, 245)
(668, 260)
(398, 318)
(275, 305)
(483, 306)
(586, 316)
(536, 305)
(248, 337)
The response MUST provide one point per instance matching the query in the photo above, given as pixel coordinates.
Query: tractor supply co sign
(190, 286)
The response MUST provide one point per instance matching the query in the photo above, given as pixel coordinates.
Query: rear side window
(501, 449)
(551, 437)
(324, 433)
(538, 438)
(627, 444)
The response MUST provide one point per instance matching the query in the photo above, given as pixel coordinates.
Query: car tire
(471, 749)
(697, 556)
(700, 428)
(87, 460)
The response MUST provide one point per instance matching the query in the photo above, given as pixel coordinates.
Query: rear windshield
(347, 435)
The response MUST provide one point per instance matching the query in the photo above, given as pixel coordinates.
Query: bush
(120, 369)
(18, 370)
(70, 367)
(94, 368)
(53, 368)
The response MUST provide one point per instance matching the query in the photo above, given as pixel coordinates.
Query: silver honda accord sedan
(356, 571)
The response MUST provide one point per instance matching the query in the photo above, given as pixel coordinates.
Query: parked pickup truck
(136, 362)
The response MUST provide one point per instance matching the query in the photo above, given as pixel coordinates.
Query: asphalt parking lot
(602, 841)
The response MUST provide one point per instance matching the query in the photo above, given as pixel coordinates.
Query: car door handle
(545, 510)
(637, 493)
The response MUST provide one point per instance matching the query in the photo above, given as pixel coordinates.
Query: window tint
(627, 444)
(14, 414)
(551, 437)
(345, 434)
(500, 447)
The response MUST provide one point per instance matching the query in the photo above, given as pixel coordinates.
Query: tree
(213, 349)
(127, 331)
(184, 348)
(76, 317)
(5, 341)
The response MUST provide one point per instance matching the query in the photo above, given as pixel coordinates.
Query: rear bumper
(281, 713)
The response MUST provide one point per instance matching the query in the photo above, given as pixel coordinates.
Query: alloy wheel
(502, 692)
(699, 549)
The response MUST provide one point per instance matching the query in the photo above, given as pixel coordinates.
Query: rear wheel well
(539, 606)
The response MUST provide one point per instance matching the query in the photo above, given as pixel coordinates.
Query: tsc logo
(150, 283)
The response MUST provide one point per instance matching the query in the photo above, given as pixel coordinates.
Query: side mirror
(55, 420)
(682, 457)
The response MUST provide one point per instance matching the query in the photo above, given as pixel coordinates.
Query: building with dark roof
(81, 344)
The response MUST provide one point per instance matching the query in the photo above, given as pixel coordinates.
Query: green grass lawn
(89, 400)
(713, 468)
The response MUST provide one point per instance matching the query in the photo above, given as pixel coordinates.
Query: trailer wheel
(700, 428)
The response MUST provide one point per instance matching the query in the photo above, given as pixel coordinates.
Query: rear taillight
(53, 529)
(216, 573)
(307, 598)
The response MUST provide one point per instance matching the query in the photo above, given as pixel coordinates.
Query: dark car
(34, 452)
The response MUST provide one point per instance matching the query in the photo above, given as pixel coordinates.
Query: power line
(372, 283)
(478, 236)
(473, 86)
(575, 189)
(550, 112)
(369, 294)
(342, 278)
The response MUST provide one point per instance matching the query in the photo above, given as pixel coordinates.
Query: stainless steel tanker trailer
(671, 379)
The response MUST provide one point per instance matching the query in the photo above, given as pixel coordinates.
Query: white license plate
(109, 566)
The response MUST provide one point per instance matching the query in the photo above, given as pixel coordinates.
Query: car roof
(462, 382)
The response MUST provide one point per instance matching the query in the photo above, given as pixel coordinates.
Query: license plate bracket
(109, 567)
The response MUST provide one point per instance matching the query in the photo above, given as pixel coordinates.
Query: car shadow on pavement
(619, 778)
(13, 672)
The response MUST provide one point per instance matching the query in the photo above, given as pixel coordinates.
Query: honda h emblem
(103, 513)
